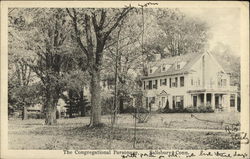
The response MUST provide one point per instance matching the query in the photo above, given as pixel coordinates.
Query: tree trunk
(82, 104)
(70, 104)
(95, 119)
(58, 114)
(50, 114)
(121, 110)
(24, 113)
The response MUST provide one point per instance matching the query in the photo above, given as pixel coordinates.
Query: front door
(163, 102)
(195, 101)
(217, 101)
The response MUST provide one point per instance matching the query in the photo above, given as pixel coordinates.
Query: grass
(73, 133)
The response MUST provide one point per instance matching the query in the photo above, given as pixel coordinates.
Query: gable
(211, 68)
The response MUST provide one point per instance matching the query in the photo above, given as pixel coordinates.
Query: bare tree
(92, 30)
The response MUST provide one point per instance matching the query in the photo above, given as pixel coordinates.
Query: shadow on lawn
(100, 137)
(105, 132)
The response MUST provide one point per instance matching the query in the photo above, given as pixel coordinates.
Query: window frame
(182, 83)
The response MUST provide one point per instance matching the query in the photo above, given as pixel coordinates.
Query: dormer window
(150, 70)
(163, 68)
(178, 66)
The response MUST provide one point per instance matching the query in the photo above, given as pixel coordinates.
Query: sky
(224, 25)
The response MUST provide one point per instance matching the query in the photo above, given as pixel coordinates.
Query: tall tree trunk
(95, 119)
(50, 114)
(24, 113)
(82, 104)
(71, 104)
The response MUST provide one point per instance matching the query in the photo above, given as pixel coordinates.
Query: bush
(36, 116)
(107, 105)
(205, 109)
(190, 109)
(131, 109)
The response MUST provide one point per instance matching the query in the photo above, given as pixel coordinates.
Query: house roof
(189, 58)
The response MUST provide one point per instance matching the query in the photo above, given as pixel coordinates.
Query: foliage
(77, 104)
(67, 49)
(23, 96)
(189, 109)
(177, 34)
(229, 61)
(132, 110)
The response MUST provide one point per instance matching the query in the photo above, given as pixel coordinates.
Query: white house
(189, 80)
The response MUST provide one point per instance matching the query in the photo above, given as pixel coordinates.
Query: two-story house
(189, 80)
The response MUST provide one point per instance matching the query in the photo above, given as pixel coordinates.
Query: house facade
(189, 80)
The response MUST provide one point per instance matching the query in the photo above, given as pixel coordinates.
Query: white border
(244, 6)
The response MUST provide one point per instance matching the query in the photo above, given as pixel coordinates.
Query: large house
(189, 80)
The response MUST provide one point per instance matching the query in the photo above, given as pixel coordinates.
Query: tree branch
(124, 12)
(77, 32)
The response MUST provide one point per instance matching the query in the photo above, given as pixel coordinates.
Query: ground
(162, 131)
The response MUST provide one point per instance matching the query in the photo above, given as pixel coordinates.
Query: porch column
(212, 101)
(170, 102)
(236, 102)
(205, 99)
(226, 102)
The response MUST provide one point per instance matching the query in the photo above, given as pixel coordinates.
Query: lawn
(73, 133)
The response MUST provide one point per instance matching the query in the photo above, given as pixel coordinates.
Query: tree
(20, 77)
(178, 34)
(50, 37)
(229, 61)
(93, 27)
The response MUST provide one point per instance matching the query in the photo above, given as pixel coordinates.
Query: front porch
(219, 101)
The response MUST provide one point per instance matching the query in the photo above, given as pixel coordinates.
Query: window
(150, 70)
(144, 84)
(232, 100)
(224, 82)
(170, 84)
(182, 81)
(192, 82)
(178, 66)
(150, 84)
(178, 102)
(176, 81)
(153, 100)
(219, 82)
(199, 82)
(155, 85)
(164, 82)
(163, 68)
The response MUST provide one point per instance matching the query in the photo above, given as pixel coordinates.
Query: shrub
(107, 105)
(190, 109)
(36, 115)
(131, 109)
(205, 109)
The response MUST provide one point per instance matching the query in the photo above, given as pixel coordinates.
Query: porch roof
(216, 91)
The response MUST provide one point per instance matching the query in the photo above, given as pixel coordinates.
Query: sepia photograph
(135, 77)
